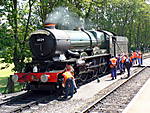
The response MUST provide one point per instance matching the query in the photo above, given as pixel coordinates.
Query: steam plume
(62, 16)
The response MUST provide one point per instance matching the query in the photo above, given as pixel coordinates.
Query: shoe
(112, 79)
(98, 80)
(75, 90)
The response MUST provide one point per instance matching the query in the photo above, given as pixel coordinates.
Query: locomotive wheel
(103, 65)
(93, 73)
(103, 69)
(83, 77)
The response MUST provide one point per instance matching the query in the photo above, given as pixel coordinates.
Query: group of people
(122, 62)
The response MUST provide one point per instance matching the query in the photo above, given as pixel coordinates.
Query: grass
(4, 74)
(3, 84)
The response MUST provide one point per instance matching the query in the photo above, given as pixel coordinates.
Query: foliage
(14, 33)
(130, 18)
(3, 85)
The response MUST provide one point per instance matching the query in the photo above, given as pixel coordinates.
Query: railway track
(24, 101)
(21, 102)
(28, 100)
(115, 98)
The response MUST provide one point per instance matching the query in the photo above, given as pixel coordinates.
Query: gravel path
(85, 96)
(76, 104)
(118, 100)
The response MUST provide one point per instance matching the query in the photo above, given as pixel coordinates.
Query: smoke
(63, 17)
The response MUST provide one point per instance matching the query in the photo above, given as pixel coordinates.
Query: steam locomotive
(87, 51)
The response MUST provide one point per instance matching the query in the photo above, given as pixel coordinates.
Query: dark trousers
(119, 67)
(128, 66)
(69, 87)
(113, 73)
(128, 70)
(123, 67)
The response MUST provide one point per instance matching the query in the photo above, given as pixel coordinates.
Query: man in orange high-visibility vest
(68, 84)
(69, 81)
(113, 66)
(132, 58)
(139, 56)
(122, 63)
(71, 70)
(135, 57)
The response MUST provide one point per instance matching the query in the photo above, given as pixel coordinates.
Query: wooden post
(10, 85)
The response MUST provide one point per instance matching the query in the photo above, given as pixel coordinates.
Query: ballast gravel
(85, 95)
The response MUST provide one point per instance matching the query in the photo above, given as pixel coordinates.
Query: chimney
(50, 25)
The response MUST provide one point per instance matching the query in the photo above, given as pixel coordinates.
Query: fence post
(10, 85)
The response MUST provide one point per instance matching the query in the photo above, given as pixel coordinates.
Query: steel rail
(92, 106)
(28, 105)
(24, 102)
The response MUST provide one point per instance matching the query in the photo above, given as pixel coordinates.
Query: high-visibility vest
(113, 62)
(132, 57)
(135, 54)
(123, 59)
(67, 75)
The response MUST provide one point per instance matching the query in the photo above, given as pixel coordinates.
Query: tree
(16, 30)
(129, 18)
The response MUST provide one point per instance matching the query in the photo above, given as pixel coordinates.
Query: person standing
(113, 66)
(132, 58)
(128, 64)
(139, 56)
(122, 63)
(119, 63)
(135, 57)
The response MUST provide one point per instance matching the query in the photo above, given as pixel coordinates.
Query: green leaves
(14, 32)
(129, 18)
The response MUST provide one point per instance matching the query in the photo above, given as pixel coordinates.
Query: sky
(147, 1)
